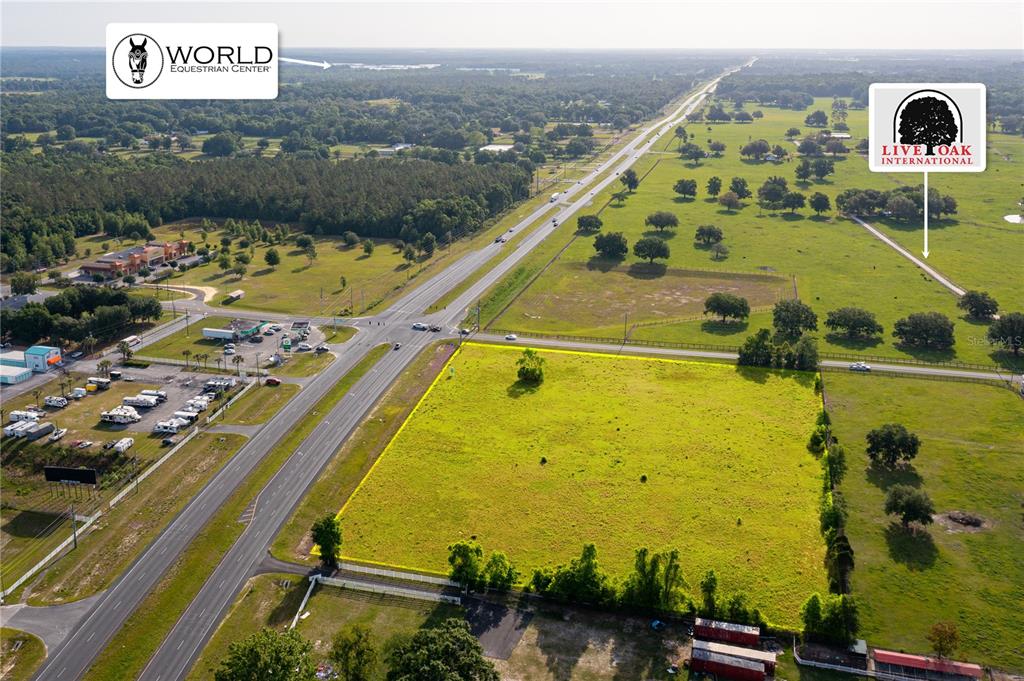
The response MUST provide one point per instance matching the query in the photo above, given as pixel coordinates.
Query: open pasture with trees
(970, 464)
(836, 263)
(536, 470)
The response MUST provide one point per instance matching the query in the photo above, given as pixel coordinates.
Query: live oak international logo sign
(192, 61)
(926, 127)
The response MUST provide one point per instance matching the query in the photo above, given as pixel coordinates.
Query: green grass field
(259, 404)
(972, 460)
(836, 262)
(18, 665)
(271, 601)
(728, 477)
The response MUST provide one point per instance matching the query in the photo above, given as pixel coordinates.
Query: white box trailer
(120, 415)
(160, 395)
(55, 401)
(146, 401)
(186, 415)
(219, 334)
(38, 430)
(18, 415)
(13, 429)
(197, 405)
(123, 445)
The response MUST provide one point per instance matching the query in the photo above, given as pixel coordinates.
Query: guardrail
(395, 574)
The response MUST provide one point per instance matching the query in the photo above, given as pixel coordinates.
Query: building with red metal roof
(907, 666)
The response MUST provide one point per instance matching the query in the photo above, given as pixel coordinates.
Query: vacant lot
(18, 664)
(836, 262)
(259, 404)
(622, 296)
(971, 460)
(623, 452)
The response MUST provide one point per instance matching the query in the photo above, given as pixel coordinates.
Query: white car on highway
(859, 366)
(419, 326)
(511, 337)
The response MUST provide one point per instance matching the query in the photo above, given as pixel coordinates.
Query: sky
(568, 24)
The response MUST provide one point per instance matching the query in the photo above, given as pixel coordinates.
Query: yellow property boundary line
(315, 551)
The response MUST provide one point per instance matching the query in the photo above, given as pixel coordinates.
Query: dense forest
(791, 80)
(72, 195)
(451, 105)
(448, 109)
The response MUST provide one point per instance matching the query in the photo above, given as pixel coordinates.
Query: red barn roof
(928, 663)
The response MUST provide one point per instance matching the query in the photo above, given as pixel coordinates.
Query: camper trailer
(17, 415)
(13, 429)
(55, 401)
(140, 401)
(160, 395)
(120, 415)
(186, 415)
(123, 445)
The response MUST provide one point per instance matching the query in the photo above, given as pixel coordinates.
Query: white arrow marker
(322, 64)
(925, 252)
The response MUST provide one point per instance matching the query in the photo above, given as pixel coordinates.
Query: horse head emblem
(137, 60)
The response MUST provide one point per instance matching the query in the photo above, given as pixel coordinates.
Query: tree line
(373, 197)
(82, 314)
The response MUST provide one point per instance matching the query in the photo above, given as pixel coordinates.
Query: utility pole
(186, 323)
(625, 325)
(258, 369)
(74, 526)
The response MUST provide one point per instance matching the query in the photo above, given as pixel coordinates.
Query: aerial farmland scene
(511, 341)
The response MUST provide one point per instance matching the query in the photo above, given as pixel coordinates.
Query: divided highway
(277, 500)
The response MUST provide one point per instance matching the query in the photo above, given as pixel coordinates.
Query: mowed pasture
(623, 452)
(971, 460)
(836, 262)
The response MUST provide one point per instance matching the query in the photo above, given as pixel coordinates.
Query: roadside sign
(926, 127)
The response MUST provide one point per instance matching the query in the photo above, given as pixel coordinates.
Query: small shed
(726, 666)
(716, 630)
(919, 667)
(40, 358)
(762, 656)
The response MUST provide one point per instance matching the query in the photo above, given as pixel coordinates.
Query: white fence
(393, 574)
(248, 386)
(116, 499)
(50, 556)
(389, 590)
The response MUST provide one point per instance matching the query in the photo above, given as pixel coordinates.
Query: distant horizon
(603, 25)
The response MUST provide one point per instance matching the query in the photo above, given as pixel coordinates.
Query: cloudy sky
(744, 24)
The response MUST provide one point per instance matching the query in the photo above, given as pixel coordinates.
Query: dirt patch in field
(592, 299)
(961, 521)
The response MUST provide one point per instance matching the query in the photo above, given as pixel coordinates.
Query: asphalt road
(277, 500)
(626, 348)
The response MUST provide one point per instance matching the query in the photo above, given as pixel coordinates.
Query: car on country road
(272, 380)
(320, 348)
(511, 337)
(398, 346)
(464, 332)
(229, 351)
(419, 326)
(497, 239)
(859, 366)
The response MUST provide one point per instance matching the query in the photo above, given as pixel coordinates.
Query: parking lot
(214, 352)
(82, 417)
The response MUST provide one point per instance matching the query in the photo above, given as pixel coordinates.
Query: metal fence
(390, 590)
(396, 574)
